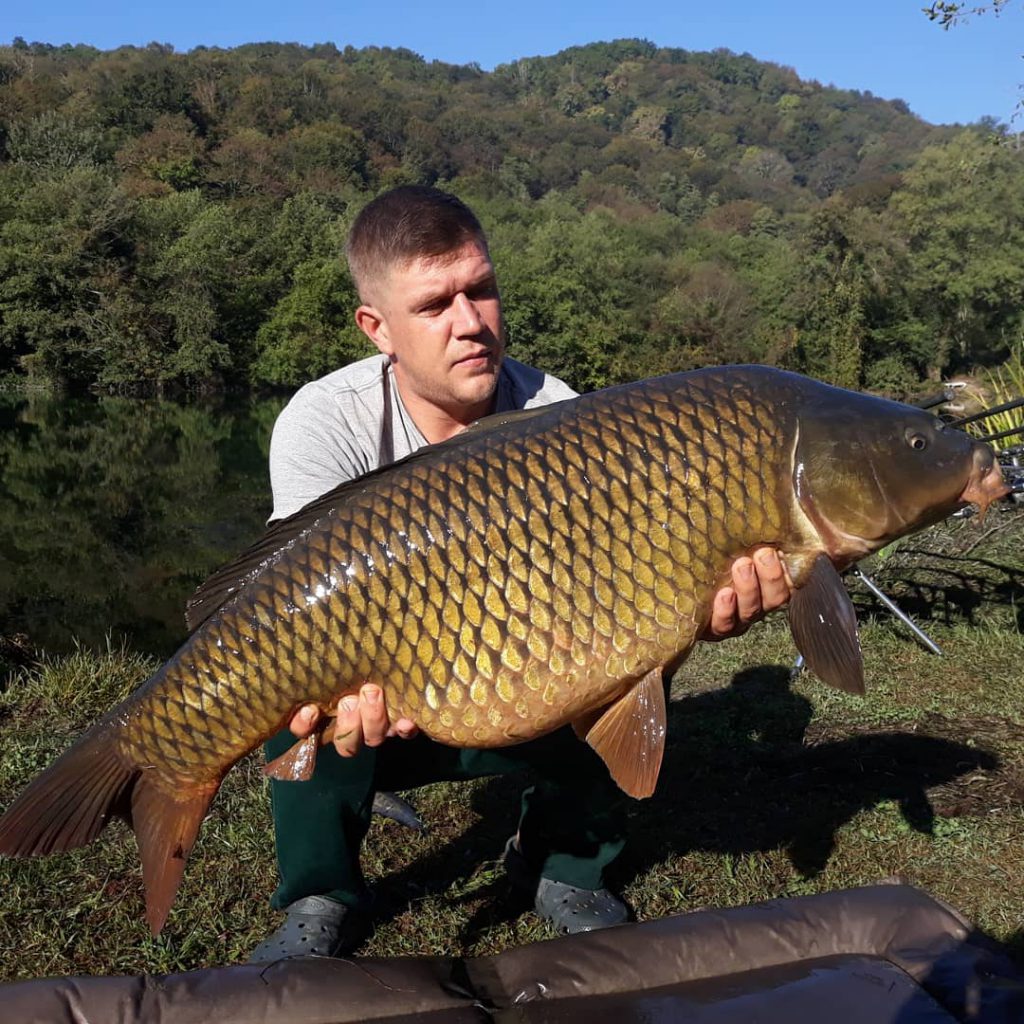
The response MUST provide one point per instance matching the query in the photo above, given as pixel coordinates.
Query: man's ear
(371, 321)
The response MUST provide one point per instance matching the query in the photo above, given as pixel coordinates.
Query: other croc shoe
(571, 910)
(568, 908)
(313, 926)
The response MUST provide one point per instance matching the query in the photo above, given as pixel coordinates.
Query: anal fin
(824, 627)
(166, 822)
(630, 735)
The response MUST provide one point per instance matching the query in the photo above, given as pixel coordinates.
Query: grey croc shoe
(314, 926)
(573, 910)
(568, 908)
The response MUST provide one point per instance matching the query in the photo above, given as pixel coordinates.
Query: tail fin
(69, 803)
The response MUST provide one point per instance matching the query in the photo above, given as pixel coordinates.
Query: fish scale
(558, 572)
(540, 568)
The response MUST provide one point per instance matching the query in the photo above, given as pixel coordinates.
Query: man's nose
(467, 316)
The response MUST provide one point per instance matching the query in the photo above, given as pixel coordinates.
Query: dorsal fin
(503, 419)
(216, 591)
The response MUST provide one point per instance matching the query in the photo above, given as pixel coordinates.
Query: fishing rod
(1004, 433)
(896, 610)
(947, 394)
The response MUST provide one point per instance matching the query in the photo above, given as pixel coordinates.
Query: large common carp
(541, 568)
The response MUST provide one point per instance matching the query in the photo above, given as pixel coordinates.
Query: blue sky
(885, 46)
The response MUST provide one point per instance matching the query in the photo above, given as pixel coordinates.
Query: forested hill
(178, 218)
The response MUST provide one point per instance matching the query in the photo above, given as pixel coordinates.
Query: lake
(112, 511)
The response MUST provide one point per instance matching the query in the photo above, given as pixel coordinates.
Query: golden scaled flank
(490, 599)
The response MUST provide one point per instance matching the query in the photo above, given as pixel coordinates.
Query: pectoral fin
(630, 735)
(824, 627)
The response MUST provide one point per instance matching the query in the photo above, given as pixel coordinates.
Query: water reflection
(113, 509)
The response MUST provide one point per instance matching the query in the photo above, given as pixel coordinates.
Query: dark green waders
(570, 829)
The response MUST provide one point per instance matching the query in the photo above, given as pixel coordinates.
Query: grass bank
(770, 788)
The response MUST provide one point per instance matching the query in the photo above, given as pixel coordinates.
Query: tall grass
(1003, 384)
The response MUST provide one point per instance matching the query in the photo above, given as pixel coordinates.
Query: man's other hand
(362, 721)
(760, 584)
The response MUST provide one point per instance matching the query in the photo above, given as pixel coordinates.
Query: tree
(61, 250)
(310, 331)
(847, 302)
(948, 14)
(178, 218)
(962, 212)
(573, 293)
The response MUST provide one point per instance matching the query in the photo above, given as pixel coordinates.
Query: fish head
(868, 470)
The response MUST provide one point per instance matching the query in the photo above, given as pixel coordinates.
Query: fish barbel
(543, 567)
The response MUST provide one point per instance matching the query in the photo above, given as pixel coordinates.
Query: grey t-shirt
(330, 431)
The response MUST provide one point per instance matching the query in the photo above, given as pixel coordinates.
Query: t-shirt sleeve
(556, 390)
(312, 449)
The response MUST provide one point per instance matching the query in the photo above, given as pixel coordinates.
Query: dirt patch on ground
(993, 775)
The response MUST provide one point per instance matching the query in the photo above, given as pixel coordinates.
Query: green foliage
(310, 331)
(61, 241)
(54, 142)
(572, 293)
(1005, 383)
(177, 219)
(956, 211)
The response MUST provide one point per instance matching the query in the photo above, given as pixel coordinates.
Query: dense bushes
(178, 218)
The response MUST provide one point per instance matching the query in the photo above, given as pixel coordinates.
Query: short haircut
(404, 224)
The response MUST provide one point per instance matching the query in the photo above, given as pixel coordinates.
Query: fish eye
(917, 441)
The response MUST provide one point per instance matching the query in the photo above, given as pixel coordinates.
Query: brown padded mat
(854, 989)
(886, 954)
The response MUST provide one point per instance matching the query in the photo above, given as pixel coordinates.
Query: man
(430, 303)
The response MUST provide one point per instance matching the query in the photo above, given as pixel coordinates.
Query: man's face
(439, 320)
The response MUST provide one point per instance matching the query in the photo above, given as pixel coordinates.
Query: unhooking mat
(884, 954)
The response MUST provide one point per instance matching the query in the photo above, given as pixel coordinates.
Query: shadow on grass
(1014, 944)
(944, 588)
(737, 779)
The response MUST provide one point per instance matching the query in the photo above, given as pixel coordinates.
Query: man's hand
(362, 721)
(759, 585)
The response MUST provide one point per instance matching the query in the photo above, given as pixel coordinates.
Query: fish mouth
(985, 484)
